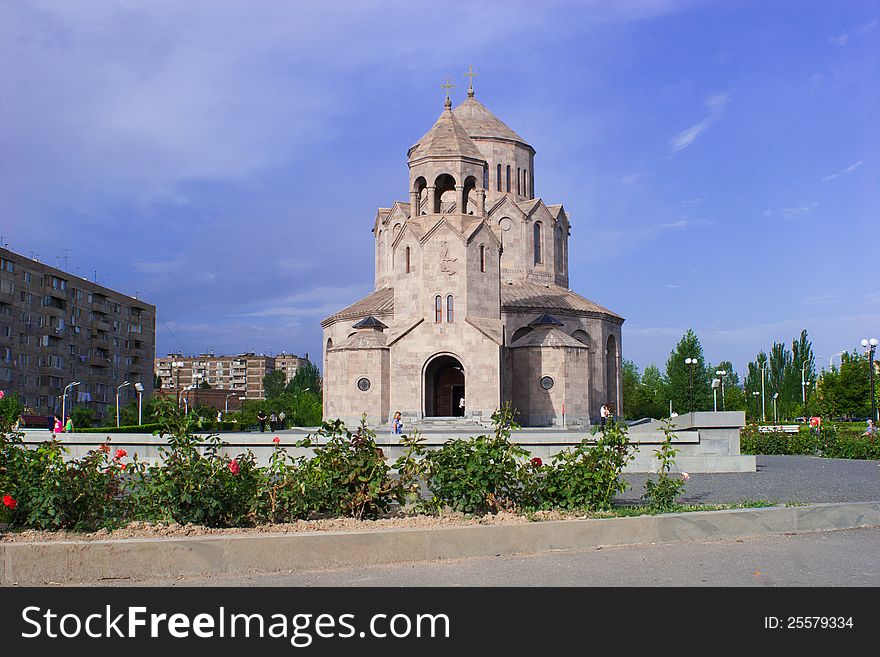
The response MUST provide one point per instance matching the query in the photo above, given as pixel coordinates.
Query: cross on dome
(449, 84)
(470, 73)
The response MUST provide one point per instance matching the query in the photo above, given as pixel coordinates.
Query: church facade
(471, 306)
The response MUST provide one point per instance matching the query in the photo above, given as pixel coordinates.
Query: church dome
(446, 138)
(479, 122)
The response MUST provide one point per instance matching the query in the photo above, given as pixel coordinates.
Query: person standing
(603, 415)
(57, 427)
(68, 427)
(281, 417)
(261, 418)
(273, 422)
(397, 424)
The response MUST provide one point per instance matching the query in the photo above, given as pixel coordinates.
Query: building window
(538, 254)
(508, 177)
(482, 258)
(498, 178)
(526, 183)
(363, 384)
(486, 177)
(407, 260)
(518, 186)
(559, 257)
(450, 310)
(547, 382)
(438, 309)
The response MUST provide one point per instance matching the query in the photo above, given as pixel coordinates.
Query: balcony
(98, 361)
(101, 325)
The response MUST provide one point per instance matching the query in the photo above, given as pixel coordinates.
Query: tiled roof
(446, 137)
(480, 122)
(547, 298)
(379, 303)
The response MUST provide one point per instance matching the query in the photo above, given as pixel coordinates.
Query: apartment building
(66, 341)
(243, 373)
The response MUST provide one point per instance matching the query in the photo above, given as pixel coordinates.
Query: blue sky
(224, 160)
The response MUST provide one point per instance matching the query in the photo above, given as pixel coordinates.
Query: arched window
(486, 177)
(498, 178)
(526, 183)
(538, 254)
(508, 177)
(518, 186)
(482, 258)
(438, 309)
(450, 310)
(407, 261)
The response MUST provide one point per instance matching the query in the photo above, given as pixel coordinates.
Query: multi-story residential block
(67, 342)
(243, 373)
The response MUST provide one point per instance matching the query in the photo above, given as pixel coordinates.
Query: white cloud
(790, 214)
(715, 105)
(843, 38)
(681, 224)
(631, 179)
(843, 172)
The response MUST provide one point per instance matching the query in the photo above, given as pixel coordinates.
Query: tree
(656, 392)
(307, 376)
(733, 397)
(274, 384)
(846, 392)
(679, 373)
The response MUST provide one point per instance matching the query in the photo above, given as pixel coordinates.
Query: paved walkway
(779, 479)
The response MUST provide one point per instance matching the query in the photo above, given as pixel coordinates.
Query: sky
(224, 160)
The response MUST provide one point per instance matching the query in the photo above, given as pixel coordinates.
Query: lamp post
(763, 409)
(176, 365)
(775, 416)
(118, 388)
(831, 360)
(690, 362)
(231, 394)
(721, 374)
(871, 346)
(715, 384)
(755, 395)
(72, 384)
(140, 391)
(804, 386)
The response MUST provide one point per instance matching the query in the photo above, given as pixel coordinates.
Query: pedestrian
(461, 406)
(57, 427)
(603, 415)
(68, 427)
(261, 417)
(273, 422)
(281, 417)
(872, 428)
(397, 424)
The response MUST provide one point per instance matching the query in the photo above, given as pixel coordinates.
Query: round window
(363, 384)
(547, 382)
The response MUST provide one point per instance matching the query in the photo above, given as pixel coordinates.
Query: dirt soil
(154, 530)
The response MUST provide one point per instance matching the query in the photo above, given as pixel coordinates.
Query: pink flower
(120, 453)
(276, 440)
(9, 501)
(537, 462)
(105, 448)
(2, 394)
(234, 467)
(685, 476)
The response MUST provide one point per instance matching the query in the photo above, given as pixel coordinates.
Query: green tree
(685, 380)
(307, 376)
(273, 384)
(846, 392)
(655, 389)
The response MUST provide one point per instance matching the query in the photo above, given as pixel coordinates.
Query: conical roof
(446, 137)
(478, 121)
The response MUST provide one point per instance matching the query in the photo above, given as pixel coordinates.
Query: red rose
(120, 453)
(234, 467)
(537, 462)
(276, 440)
(9, 501)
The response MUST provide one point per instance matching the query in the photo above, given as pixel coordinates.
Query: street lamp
(721, 374)
(755, 395)
(64, 399)
(140, 391)
(871, 345)
(231, 394)
(775, 416)
(763, 411)
(804, 386)
(715, 384)
(176, 365)
(690, 362)
(118, 388)
(831, 360)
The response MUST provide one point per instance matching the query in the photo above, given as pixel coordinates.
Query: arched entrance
(444, 387)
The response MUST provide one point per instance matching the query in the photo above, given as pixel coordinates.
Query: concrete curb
(72, 562)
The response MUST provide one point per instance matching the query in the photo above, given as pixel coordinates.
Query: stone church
(471, 306)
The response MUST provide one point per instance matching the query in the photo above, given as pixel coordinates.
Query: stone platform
(707, 442)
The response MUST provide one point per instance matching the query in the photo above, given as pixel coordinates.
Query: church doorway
(444, 387)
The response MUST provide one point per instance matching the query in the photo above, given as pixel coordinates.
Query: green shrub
(661, 494)
(586, 476)
(478, 475)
